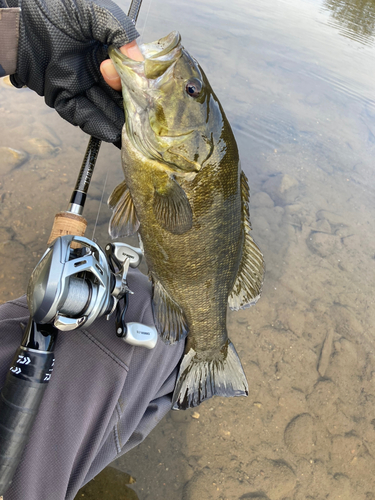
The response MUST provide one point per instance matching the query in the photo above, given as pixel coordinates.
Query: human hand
(108, 69)
(61, 46)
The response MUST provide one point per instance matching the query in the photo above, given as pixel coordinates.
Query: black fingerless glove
(61, 46)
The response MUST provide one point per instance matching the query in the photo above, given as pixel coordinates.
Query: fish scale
(183, 181)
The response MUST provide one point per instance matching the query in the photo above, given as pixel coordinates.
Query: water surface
(296, 80)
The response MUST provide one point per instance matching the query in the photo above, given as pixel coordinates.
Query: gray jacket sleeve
(103, 399)
(9, 32)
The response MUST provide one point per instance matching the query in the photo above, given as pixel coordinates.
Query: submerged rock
(298, 434)
(324, 244)
(261, 199)
(11, 158)
(282, 188)
(41, 148)
(273, 477)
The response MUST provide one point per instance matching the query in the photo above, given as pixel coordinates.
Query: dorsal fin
(169, 318)
(124, 221)
(249, 280)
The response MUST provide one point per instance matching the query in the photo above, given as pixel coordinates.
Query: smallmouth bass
(185, 194)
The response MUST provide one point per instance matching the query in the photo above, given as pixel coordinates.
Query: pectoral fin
(124, 221)
(171, 206)
(248, 284)
(169, 318)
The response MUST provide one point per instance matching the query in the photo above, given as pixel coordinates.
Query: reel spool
(71, 287)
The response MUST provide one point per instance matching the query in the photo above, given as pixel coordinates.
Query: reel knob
(141, 335)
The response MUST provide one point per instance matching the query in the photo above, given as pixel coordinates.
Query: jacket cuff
(9, 35)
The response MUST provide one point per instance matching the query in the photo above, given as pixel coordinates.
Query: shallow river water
(296, 79)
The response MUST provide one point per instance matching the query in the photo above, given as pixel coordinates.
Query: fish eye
(193, 87)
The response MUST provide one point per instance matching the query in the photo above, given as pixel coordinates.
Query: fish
(185, 194)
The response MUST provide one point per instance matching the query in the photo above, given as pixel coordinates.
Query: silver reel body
(71, 287)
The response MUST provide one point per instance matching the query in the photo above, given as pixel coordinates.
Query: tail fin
(203, 375)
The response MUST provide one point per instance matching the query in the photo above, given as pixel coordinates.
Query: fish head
(172, 114)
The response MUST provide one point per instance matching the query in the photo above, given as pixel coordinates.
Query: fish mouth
(158, 56)
(140, 83)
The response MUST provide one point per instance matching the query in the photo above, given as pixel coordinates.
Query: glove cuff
(15, 81)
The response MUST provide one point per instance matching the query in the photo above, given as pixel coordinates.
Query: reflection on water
(110, 484)
(354, 18)
(301, 102)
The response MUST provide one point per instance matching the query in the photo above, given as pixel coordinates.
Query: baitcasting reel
(71, 287)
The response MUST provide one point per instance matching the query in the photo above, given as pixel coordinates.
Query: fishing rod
(74, 283)
(72, 221)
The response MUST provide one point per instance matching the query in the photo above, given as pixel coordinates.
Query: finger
(132, 51)
(108, 70)
(110, 74)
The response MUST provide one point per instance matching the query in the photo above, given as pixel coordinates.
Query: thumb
(108, 70)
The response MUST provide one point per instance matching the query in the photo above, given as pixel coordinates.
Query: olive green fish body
(186, 195)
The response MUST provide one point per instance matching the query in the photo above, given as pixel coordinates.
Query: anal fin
(169, 318)
(248, 284)
(124, 221)
(249, 280)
